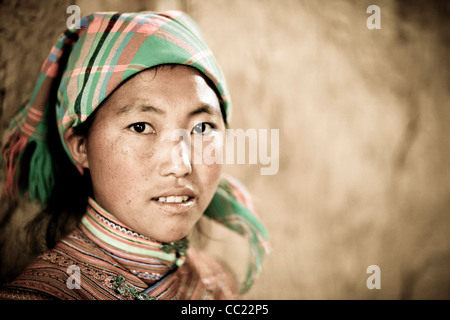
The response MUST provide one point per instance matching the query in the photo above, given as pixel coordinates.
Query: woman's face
(131, 146)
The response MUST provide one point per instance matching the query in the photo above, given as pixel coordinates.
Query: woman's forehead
(164, 89)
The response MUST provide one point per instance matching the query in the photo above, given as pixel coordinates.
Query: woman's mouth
(173, 199)
(176, 201)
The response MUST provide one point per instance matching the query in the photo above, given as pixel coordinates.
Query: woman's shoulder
(57, 273)
(216, 279)
(45, 278)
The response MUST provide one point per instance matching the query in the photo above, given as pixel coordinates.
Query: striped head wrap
(83, 68)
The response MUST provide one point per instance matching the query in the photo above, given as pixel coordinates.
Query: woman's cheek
(212, 150)
(213, 156)
(211, 167)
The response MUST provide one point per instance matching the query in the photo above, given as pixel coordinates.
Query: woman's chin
(169, 236)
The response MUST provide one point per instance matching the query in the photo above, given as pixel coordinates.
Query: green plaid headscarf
(84, 67)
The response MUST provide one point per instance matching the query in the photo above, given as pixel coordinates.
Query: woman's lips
(176, 207)
(173, 199)
(176, 201)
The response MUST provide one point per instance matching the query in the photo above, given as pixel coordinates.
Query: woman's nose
(176, 157)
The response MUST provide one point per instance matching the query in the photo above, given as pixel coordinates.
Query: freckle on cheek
(148, 154)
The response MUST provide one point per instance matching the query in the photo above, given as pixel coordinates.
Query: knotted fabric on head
(83, 68)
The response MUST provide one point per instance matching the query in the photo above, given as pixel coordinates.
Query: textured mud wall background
(364, 120)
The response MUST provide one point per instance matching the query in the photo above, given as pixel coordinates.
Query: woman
(121, 89)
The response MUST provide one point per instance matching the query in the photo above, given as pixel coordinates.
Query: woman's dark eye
(141, 127)
(202, 128)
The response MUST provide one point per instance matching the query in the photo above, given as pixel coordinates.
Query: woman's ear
(76, 144)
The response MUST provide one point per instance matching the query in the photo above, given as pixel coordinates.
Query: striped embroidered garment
(116, 263)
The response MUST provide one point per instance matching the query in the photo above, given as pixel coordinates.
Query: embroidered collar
(148, 259)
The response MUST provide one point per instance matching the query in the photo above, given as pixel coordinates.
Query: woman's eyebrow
(205, 108)
(139, 107)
